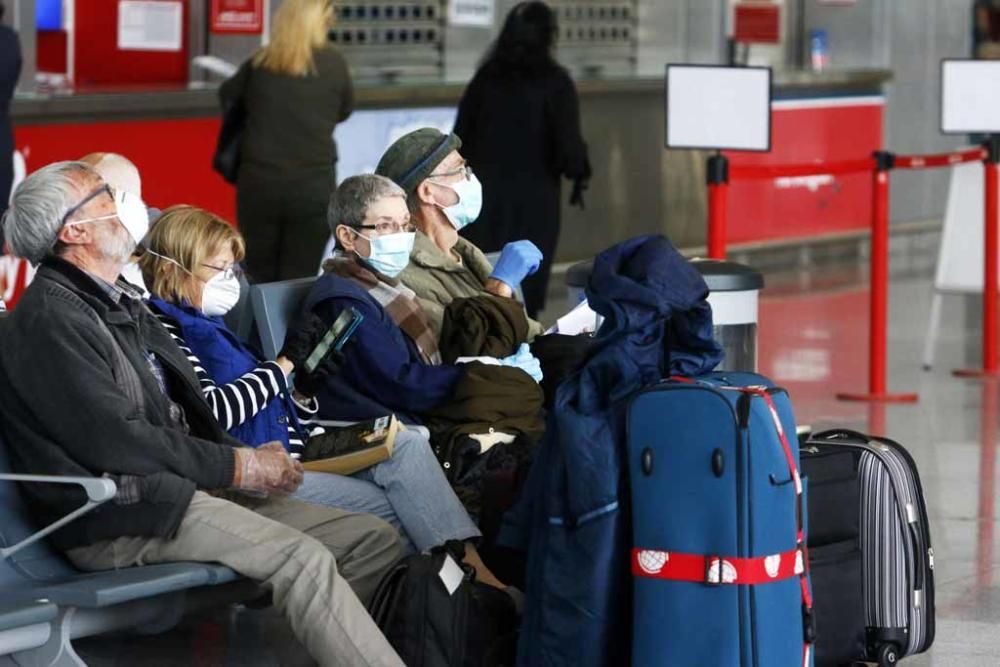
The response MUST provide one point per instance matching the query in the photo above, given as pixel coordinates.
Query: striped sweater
(240, 400)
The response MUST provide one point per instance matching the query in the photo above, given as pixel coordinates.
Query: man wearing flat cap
(444, 196)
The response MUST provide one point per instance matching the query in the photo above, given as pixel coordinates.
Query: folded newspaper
(346, 450)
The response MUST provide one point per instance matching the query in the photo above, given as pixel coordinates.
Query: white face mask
(470, 202)
(131, 213)
(220, 294)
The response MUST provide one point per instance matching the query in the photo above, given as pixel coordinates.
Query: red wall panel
(810, 131)
(174, 156)
(98, 61)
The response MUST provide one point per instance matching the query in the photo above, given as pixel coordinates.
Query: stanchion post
(879, 299)
(718, 205)
(991, 270)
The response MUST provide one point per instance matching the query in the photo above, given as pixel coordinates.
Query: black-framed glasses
(228, 272)
(384, 228)
(86, 200)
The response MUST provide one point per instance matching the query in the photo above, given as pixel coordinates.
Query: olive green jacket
(438, 279)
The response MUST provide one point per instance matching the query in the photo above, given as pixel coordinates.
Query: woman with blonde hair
(191, 266)
(294, 92)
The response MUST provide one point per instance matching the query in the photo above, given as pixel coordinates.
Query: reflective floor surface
(814, 342)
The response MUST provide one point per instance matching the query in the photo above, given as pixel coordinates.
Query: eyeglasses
(465, 171)
(384, 228)
(228, 272)
(86, 200)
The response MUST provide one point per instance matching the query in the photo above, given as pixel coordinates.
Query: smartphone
(335, 338)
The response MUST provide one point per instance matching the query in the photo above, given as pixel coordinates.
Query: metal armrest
(99, 490)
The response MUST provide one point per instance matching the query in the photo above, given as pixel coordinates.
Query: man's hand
(499, 288)
(268, 469)
(518, 260)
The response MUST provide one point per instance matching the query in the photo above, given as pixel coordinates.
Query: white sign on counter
(474, 13)
(145, 25)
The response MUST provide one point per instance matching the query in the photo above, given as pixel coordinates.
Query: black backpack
(476, 625)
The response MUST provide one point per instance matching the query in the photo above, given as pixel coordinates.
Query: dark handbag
(474, 625)
(226, 160)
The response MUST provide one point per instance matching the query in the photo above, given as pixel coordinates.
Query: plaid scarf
(399, 301)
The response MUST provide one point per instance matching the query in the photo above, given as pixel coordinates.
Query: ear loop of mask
(172, 261)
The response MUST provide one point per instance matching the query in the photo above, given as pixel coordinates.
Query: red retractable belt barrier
(842, 167)
(940, 159)
(990, 155)
(879, 292)
(719, 173)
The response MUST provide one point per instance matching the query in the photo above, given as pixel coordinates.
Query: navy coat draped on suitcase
(574, 511)
(719, 554)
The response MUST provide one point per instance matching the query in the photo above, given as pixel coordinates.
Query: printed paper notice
(146, 25)
(475, 13)
(451, 575)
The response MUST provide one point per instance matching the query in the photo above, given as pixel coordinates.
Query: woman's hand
(287, 367)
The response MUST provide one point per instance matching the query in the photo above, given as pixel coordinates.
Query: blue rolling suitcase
(719, 558)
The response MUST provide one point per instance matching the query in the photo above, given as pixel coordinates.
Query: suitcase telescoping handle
(842, 434)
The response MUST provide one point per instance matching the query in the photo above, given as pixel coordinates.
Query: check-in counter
(638, 187)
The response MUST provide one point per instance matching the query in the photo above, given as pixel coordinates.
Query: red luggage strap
(715, 569)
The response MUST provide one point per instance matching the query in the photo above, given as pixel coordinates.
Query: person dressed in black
(10, 71)
(295, 90)
(519, 122)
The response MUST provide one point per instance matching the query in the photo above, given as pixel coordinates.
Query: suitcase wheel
(888, 655)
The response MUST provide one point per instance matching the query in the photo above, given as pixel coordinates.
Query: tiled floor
(813, 341)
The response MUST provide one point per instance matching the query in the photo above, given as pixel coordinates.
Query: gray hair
(350, 201)
(32, 223)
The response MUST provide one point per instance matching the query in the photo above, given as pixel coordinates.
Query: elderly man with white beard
(91, 384)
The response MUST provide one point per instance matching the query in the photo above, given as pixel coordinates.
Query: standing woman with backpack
(293, 91)
(519, 122)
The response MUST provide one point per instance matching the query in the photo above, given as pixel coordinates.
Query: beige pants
(295, 549)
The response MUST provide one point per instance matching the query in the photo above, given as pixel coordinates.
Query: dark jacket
(10, 71)
(80, 399)
(383, 372)
(290, 119)
(226, 359)
(484, 325)
(576, 498)
(521, 133)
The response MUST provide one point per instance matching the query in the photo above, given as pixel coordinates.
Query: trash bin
(733, 294)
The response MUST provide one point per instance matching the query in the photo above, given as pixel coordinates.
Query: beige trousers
(306, 554)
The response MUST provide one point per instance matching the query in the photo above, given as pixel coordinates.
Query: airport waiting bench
(45, 602)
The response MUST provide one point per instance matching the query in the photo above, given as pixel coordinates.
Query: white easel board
(718, 108)
(960, 258)
(970, 96)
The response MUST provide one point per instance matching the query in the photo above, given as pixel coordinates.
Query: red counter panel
(804, 131)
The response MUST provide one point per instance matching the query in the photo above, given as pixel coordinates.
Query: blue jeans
(409, 490)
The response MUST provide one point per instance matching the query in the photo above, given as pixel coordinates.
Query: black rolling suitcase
(871, 561)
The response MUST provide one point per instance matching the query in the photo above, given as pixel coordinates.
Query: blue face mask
(470, 202)
(390, 254)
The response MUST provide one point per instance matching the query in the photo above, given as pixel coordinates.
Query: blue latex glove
(518, 260)
(526, 361)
